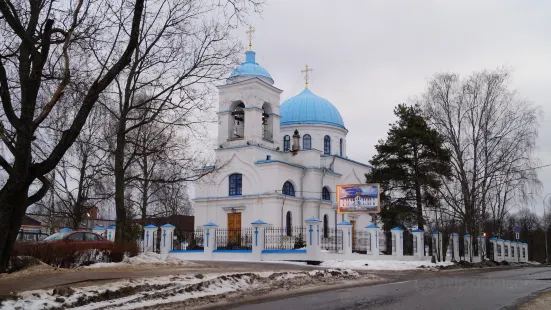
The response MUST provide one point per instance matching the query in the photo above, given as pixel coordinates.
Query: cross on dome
(250, 33)
(306, 74)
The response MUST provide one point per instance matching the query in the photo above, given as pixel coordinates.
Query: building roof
(29, 221)
(249, 69)
(308, 108)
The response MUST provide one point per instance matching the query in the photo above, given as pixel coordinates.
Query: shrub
(71, 255)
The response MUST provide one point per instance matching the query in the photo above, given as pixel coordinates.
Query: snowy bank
(380, 264)
(146, 259)
(186, 290)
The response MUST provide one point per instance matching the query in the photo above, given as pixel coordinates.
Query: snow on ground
(380, 264)
(139, 293)
(146, 258)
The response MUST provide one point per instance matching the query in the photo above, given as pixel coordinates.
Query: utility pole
(545, 229)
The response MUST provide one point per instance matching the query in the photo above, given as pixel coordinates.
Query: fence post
(258, 238)
(346, 229)
(397, 242)
(437, 246)
(111, 232)
(99, 230)
(313, 240)
(419, 250)
(210, 238)
(167, 238)
(374, 238)
(149, 238)
(525, 247)
(454, 247)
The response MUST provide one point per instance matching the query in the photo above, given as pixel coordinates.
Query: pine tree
(409, 166)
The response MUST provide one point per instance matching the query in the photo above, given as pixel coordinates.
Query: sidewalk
(51, 280)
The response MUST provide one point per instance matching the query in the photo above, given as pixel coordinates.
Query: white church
(280, 162)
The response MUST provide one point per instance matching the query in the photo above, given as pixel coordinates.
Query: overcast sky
(369, 56)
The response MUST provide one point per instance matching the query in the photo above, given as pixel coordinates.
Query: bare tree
(491, 135)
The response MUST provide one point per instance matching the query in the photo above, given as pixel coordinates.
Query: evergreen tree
(409, 165)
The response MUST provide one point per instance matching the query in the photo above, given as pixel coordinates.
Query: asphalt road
(505, 289)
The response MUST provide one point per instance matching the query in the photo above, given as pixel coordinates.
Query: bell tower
(249, 105)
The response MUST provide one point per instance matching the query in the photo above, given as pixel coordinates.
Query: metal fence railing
(409, 243)
(193, 240)
(286, 238)
(332, 240)
(361, 242)
(234, 239)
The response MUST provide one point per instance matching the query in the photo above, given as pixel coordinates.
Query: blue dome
(307, 108)
(249, 69)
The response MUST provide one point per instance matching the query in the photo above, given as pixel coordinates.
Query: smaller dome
(249, 69)
(307, 108)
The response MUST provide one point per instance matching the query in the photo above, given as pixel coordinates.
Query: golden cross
(250, 33)
(306, 75)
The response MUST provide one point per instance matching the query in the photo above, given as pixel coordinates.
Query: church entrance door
(234, 227)
(353, 234)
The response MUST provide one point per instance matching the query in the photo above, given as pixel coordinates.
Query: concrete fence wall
(312, 250)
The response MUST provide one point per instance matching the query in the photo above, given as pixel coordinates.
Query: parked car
(90, 239)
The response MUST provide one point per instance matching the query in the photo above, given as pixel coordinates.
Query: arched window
(325, 194)
(341, 147)
(306, 142)
(286, 143)
(236, 182)
(288, 223)
(325, 226)
(288, 189)
(327, 145)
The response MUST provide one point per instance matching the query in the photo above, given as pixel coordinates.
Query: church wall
(318, 132)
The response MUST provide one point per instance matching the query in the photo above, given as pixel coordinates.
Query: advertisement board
(358, 198)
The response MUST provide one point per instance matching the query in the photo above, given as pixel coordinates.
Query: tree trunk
(120, 235)
(14, 201)
(418, 197)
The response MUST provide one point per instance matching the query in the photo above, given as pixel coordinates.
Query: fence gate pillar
(418, 243)
(167, 238)
(111, 232)
(437, 245)
(468, 247)
(100, 231)
(346, 229)
(149, 238)
(210, 239)
(374, 238)
(397, 242)
(313, 238)
(258, 238)
(454, 242)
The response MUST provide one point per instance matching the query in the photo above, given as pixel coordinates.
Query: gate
(388, 242)
(409, 243)
(428, 242)
(332, 240)
(362, 242)
(490, 250)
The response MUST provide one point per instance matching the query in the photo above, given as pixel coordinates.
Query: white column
(454, 241)
(99, 230)
(167, 240)
(437, 245)
(374, 238)
(210, 238)
(418, 243)
(150, 232)
(346, 229)
(468, 246)
(313, 243)
(258, 238)
(397, 242)
(500, 245)
(525, 249)
(111, 232)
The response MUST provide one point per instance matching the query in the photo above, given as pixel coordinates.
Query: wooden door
(234, 227)
(353, 234)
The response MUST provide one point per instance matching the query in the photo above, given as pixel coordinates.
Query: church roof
(249, 69)
(308, 108)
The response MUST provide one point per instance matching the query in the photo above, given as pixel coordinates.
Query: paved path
(50, 280)
(499, 289)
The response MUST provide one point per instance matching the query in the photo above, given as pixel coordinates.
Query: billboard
(358, 198)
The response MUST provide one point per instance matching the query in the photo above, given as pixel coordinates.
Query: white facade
(250, 143)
